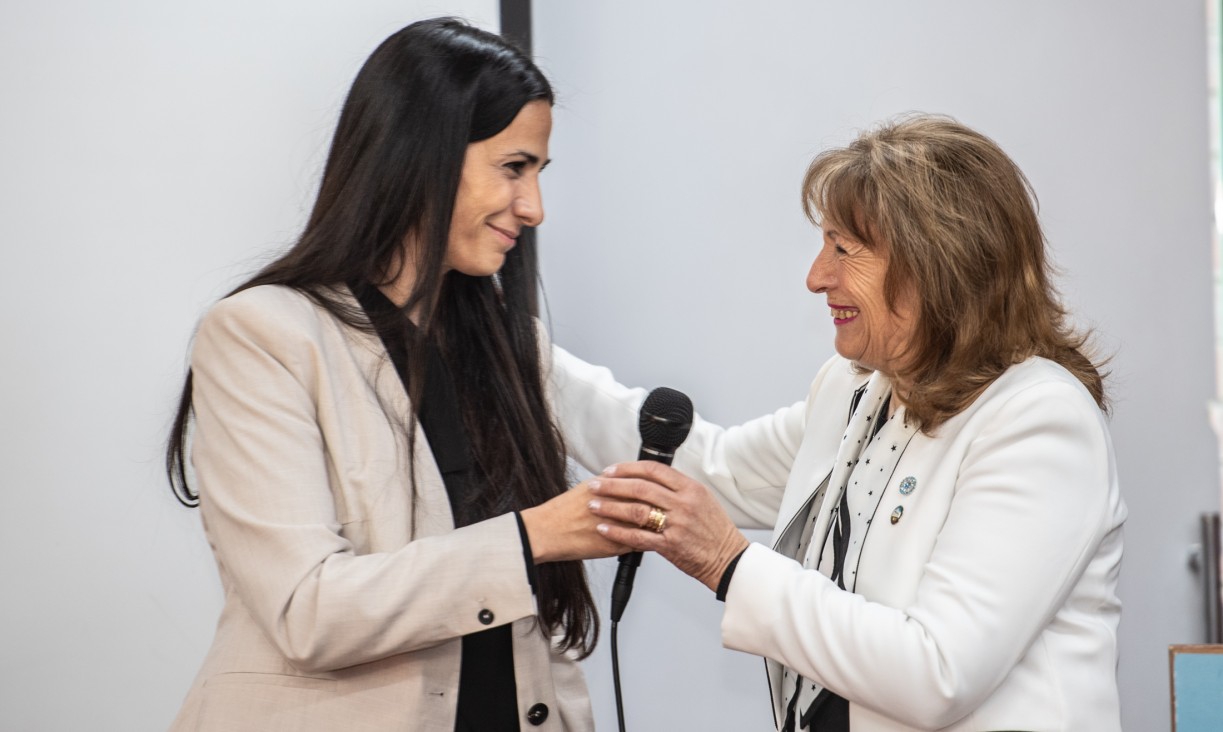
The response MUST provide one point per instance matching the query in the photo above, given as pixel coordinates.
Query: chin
(486, 268)
(856, 358)
(491, 268)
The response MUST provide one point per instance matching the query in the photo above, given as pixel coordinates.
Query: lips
(510, 237)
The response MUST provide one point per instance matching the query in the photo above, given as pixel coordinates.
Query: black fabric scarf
(488, 694)
(829, 712)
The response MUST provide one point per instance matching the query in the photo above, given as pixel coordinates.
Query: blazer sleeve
(1033, 502)
(747, 466)
(266, 498)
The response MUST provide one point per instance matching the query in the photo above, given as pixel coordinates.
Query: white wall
(151, 153)
(675, 250)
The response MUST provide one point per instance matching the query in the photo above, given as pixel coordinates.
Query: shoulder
(260, 304)
(274, 307)
(1037, 377)
(1036, 395)
(271, 318)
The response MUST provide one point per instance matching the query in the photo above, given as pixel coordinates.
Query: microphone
(664, 421)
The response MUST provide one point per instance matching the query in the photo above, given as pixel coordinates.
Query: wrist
(536, 535)
(735, 545)
(728, 574)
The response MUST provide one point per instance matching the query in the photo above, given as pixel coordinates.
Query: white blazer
(990, 605)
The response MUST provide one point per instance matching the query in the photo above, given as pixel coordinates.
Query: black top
(488, 694)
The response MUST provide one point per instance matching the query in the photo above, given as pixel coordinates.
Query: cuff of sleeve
(727, 575)
(527, 556)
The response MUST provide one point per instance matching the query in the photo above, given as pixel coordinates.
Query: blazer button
(485, 617)
(537, 714)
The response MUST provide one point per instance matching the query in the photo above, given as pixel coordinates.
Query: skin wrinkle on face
(851, 275)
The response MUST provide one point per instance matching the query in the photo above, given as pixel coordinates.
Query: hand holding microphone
(664, 421)
(679, 518)
(562, 528)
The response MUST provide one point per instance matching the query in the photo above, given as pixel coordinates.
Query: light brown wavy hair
(957, 220)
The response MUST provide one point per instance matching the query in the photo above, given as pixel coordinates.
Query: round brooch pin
(908, 485)
(897, 513)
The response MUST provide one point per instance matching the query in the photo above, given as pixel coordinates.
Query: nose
(529, 203)
(820, 278)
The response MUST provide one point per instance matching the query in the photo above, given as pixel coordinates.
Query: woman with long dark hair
(372, 449)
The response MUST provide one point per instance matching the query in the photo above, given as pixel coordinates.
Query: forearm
(326, 611)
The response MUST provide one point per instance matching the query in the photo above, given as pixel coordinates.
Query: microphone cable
(664, 421)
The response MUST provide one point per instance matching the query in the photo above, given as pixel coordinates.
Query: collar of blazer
(832, 394)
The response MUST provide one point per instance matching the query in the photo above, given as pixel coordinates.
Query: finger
(629, 513)
(638, 539)
(633, 489)
(650, 470)
(609, 548)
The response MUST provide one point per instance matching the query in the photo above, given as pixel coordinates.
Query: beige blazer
(345, 594)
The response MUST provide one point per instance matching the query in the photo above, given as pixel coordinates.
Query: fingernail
(609, 470)
(594, 485)
(594, 505)
(601, 528)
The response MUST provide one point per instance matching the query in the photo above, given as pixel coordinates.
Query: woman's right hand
(563, 528)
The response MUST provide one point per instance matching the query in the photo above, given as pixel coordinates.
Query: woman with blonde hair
(946, 513)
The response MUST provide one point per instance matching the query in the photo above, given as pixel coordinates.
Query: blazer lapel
(821, 463)
(865, 405)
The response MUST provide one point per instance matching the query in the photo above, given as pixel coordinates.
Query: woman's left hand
(697, 536)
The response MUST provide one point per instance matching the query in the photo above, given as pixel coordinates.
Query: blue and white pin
(907, 486)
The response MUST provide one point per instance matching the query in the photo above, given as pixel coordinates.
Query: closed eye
(527, 160)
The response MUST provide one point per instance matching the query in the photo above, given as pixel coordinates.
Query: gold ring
(656, 521)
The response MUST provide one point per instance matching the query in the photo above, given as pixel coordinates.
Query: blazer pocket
(258, 702)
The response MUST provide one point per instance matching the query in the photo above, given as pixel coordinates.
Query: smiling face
(868, 332)
(499, 192)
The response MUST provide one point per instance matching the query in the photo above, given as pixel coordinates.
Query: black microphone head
(665, 418)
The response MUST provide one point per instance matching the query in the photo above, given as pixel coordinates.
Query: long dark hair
(392, 173)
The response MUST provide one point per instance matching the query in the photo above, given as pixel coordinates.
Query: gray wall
(675, 250)
(150, 154)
